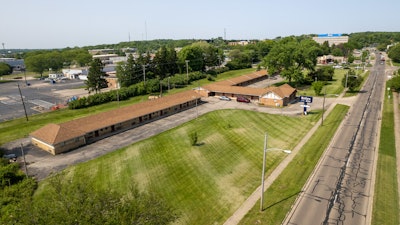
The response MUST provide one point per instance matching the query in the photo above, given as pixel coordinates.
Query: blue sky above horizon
(59, 24)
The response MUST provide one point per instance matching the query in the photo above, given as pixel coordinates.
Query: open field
(386, 197)
(206, 183)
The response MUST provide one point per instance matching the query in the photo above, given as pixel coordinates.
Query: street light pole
(263, 168)
(263, 172)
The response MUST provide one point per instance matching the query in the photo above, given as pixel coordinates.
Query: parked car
(225, 98)
(242, 99)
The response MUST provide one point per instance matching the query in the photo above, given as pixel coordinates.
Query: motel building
(63, 137)
(59, 138)
(235, 87)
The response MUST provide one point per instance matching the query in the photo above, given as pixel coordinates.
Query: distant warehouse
(59, 138)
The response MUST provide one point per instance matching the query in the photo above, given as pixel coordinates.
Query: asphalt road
(38, 97)
(340, 190)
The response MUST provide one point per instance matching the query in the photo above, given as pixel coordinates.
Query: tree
(239, 59)
(317, 87)
(36, 63)
(144, 60)
(394, 53)
(394, 83)
(78, 201)
(326, 50)
(193, 138)
(54, 60)
(128, 73)
(351, 80)
(5, 69)
(263, 48)
(324, 73)
(290, 57)
(212, 55)
(165, 62)
(95, 80)
(193, 53)
(39, 62)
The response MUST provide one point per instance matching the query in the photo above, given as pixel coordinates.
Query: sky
(47, 24)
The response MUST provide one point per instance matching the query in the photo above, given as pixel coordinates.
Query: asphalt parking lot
(39, 96)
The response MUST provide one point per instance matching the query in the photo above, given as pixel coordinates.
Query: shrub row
(142, 88)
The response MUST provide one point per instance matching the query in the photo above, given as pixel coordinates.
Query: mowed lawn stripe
(205, 183)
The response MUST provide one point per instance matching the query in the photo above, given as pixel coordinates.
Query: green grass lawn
(283, 192)
(204, 183)
(386, 197)
(333, 87)
(20, 128)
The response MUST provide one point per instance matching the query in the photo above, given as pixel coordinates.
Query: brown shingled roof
(282, 91)
(53, 133)
(236, 90)
(241, 79)
(286, 90)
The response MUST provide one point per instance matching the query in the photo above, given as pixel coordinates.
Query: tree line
(70, 202)
(75, 201)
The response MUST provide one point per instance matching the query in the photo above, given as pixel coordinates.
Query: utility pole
(117, 83)
(144, 74)
(168, 84)
(23, 155)
(160, 89)
(263, 173)
(23, 103)
(187, 71)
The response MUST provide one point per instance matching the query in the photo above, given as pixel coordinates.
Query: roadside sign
(305, 106)
(306, 99)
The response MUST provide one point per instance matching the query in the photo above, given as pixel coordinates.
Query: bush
(193, 138)
(234, 65)
(142, 88)
(317, 87)
(5, 69)
(210, 78)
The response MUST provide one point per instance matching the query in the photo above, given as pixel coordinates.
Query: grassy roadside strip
(283, 192)
(386, 199)
(19, 128)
